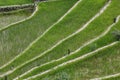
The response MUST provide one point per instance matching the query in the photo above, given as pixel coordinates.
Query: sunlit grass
(101, 42)
(63, 29)
(17, 37)
(14, 2)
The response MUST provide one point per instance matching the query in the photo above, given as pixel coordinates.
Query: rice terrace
(59, 39)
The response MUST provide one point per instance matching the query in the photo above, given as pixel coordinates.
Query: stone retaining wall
(16, 7)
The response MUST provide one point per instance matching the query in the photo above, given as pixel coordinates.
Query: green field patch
(17, 37)
(14, 2)
(86, 8)
(101, 42)
(12, 17)
(106, 62)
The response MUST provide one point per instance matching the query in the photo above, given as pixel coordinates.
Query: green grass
(63, 26)
(14, 2)
(16, 38)
(74, 42)
(106, 62)
(8, 18)
(101, 42)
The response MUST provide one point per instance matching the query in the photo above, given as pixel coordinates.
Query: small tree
(116, 34)
(69, 51)
(93, 47)
(6, 78)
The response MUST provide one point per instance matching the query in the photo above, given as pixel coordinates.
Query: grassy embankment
(51, 39)
(105, 40)
(17, 37)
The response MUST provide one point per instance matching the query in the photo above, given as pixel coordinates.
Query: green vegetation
(14, 2)
(61, 53)
(26, 32)
(8, 18)
(107, 39)
(104, 63)
(49, 39)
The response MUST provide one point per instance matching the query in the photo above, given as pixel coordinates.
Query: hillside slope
(62, 40)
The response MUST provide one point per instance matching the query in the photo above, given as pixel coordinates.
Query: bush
(62, 76)
(116, 35)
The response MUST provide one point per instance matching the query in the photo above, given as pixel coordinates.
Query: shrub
(116, 35)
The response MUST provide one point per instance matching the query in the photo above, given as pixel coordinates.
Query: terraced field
(61, 40)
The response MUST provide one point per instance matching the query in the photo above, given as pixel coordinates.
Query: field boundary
(13, 8)
(15, 5)
(16, 11)
(25, 4)
(107, 77)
